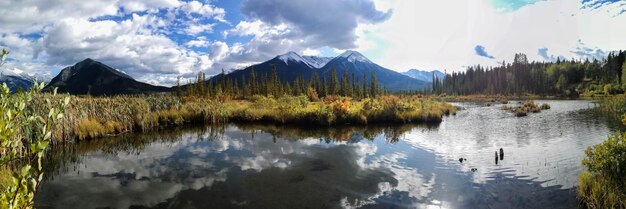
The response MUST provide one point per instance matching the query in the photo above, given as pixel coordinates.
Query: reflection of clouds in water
(146, 178)
(161, 170)
(409, 179)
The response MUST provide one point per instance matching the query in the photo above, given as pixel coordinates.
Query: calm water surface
(341, 167)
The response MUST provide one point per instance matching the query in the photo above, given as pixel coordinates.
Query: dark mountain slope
(94, 78)
(355, 63)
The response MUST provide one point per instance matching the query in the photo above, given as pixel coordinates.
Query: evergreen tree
(334, 82)
(346, 86)
(374, 90)
(253, 82)
(296, 86)
(179, 91)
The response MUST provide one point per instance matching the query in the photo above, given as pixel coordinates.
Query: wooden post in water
(496, 157)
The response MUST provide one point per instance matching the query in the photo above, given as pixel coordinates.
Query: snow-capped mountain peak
(424, 75)
(317, 62)
(354, 56)
(311, 61)
(291, 56)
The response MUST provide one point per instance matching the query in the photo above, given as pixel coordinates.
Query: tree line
(271, 84)
(563, 77)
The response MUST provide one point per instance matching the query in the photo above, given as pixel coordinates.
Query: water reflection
(262, 166)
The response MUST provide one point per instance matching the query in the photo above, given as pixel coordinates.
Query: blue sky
(157, 41)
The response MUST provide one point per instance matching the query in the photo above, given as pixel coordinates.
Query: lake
(395, 166)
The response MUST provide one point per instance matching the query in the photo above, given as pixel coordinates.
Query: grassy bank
(91, 117)
(603, 184)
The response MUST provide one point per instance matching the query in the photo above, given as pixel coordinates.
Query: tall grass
(91, 117)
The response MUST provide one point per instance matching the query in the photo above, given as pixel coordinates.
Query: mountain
(94, 78)
(288, 66)
(15, 82)
(424, 75)
(354, 63)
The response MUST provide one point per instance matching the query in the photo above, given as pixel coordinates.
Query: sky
(157, 41)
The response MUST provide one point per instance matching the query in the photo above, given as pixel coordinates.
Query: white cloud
(245, 28)
(310, 52)
(195, 29)
(443, 34)
(127, 45)
(200, 42)
(33, 16)
(332, 24)
(206, 10)
(139, 5)
(69, 31)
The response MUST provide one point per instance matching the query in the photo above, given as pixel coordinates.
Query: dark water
(407, 166)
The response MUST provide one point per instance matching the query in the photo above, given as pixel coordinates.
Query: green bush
(25, 135)
(608, 158)
(602, 185)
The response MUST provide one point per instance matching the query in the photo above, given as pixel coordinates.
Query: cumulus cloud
(195, 29)
(321, 23)
(585, 52)
(205, 10)
(543, 52)
(128, 45)
(480, 51)
(133, 36)
(139, 5)
(31, 16)
(200, 42)
(276, 27)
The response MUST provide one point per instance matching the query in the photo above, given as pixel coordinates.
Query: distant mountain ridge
(291, 65)
(353, 62)
(16, 82)
(94, 78)
(423, 75)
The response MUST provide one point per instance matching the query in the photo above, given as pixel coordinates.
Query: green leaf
(25, 170)
(4, 55)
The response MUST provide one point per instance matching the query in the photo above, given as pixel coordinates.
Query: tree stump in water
(496, 157)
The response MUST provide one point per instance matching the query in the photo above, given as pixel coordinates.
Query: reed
(92, 117)
(614, 108)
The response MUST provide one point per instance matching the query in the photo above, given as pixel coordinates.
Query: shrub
(520, 112)
(608, 158)
(25, 135)
(602, 185)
